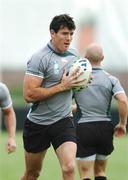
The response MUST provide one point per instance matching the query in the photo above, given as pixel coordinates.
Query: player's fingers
(75, 71)
(65, 73)
(78, 82)
(77, 75)
(119, 132)
(10, 148)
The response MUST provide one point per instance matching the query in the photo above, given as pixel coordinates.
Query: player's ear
(102, 58)
(52, 31)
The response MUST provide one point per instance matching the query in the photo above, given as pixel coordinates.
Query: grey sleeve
(5, 97)
(117, 87)
(35, 66)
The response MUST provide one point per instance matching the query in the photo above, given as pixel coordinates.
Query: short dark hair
(61, 21)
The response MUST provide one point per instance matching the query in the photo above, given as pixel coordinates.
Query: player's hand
(71, 80)
(11, 145)
(120, 130)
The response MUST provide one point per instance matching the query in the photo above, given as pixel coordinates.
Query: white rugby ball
(86, 68)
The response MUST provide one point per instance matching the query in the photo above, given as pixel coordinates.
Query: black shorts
(38, 138)
(94, 138)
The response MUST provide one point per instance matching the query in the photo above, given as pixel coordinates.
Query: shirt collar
(96, 67)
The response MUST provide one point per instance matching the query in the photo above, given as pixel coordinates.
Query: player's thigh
(35, 137)
(86, 140)
(66, 153)
(105, 131)
(62, 131)
(34, 160)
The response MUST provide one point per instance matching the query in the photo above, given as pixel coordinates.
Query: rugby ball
(86, 68)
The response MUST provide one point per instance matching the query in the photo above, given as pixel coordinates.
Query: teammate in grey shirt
(94, 129)
(47, 85)
(9, 117)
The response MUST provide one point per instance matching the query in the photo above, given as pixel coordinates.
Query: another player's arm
(10, 124)
(120, 129)
(33, 91)
(123, 107)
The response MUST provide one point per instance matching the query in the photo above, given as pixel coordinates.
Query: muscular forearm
(33, 90)
(123, 112)
(10, 123)
(40, 93)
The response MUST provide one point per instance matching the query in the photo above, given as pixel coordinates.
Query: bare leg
(86, 168)
(66, 154)
(33, 165)
(100, 167)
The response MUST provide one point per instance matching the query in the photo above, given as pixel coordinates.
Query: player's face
(62, 39)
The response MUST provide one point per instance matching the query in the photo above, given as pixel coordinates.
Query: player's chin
(66, 47)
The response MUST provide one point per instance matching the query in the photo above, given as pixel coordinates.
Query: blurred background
(24, 28)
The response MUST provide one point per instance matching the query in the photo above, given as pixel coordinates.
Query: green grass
(12, 165)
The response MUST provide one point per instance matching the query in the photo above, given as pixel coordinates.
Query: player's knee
(68, 168)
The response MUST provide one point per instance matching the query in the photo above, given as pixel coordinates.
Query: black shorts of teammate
(38, 138)
(94, 138)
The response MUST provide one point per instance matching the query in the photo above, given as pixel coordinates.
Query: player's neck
(95, 64)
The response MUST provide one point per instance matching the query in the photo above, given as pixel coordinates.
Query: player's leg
(86, 153)
(86, 167)
(66, 154)
(104, 149)
(36, 142)
(33, 163)
(100, 168)
(64, 143)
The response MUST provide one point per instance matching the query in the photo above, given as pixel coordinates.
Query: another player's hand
(71, 80)
(120, 130)
(11, 145)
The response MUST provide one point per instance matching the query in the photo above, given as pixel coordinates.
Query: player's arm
(33, 90)
(10, 124)
(120, 129)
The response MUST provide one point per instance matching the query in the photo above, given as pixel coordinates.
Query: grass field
(12, 165)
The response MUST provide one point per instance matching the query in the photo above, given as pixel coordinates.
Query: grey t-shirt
(94, 102)
(50, 65)
(5, 98)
